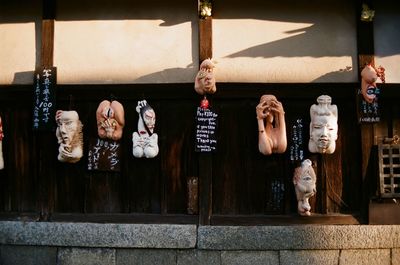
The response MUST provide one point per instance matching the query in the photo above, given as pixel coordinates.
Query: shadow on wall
(342, 74)
(170, 12)
(163, 75)
(25, 78)
(310, 41)
(331, 32)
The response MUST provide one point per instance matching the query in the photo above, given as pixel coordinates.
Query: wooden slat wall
(236, 181)
(243, 181)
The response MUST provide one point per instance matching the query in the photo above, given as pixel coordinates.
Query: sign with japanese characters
(206, 125)
(369, 112)
(296, 148)
(44, 98)
(104, 155)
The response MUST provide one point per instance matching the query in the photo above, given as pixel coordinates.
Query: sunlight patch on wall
(250, 50)
(17, 53)
(392, 67)
(125, 51)
(233, 35)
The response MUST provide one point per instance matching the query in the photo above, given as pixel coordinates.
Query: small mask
(323, 126)
(304, 180)
(369, 76)
(69, 136)
(145, 141)
(110, 120)
(271, 125)
(205, 80)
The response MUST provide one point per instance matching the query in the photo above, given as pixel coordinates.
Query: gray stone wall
(131, 244)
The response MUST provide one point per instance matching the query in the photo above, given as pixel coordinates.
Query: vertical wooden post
(45, 170)
(205, 189)
(47, 48)
(365, 45)
(205, 38)
(205, 159)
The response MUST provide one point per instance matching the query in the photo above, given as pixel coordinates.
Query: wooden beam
(48, 17)
(365, 46)
(205, 38)
(205, 159)
(47, 49)
(44, 170)
(205, 188)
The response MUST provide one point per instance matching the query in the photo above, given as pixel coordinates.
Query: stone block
(86, 256)
(298, 237)
(395, 256)
(365, 257)
(145, 257)
(98, 235)
(249, 257)
(26, 255)
(198, 257)
(309, 257)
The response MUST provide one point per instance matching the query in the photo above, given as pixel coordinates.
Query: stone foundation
(127, 244)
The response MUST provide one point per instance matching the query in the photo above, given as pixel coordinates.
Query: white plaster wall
(285, 41)
(154, 42)
(387, 41)
(18, 41)
(157, 41)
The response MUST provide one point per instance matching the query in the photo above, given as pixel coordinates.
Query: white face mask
(67, 122)
(323, 126)
(149, 118)
(69, 135)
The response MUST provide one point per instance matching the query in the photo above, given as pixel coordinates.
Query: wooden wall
(235, 181)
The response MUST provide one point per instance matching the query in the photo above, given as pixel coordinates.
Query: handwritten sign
(297, 141)
(368, 112)
(104, 155)
(44, 98)
(206, 125)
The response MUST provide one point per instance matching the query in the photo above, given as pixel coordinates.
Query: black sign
(368, 112)
(297, 141)
(104, 155)
(44, 97)
(206, 125)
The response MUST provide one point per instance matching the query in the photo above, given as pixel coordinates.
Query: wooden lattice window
(389, 170)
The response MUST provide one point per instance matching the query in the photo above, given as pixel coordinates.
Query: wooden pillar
(205, 38)
(47, 48)
(205, 159)
(365, 44)
(44, 163)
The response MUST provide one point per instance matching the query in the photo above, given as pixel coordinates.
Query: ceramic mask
(323, 126)
(368, 83)
(110, 119)
(271, 125)
(205, 80)
(69, 136)
(145, 141)
(304, 180)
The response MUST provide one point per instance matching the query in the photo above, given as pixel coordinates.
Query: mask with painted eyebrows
(110, 119)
